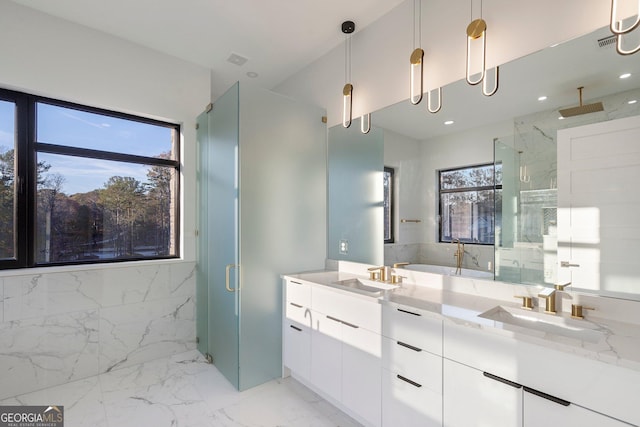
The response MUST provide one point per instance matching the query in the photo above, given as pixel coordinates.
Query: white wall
(380, 52)
(60, 324)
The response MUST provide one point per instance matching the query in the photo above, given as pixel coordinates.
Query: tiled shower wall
(63, 326)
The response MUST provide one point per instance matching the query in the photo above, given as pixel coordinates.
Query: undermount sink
(369, 287)
(544, 322)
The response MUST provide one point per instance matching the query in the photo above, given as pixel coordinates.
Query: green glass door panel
(222, 236)
(202, 266)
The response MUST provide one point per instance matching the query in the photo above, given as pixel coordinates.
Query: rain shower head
(582, 109)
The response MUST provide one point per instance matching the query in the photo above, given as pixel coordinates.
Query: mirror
(516, 130)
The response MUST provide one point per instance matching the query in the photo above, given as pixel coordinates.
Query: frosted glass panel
(202, 282)
(355, 164)
(222, 237)
(282, 218)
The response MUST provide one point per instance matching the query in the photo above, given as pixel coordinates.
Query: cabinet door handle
(296, 328)
(407, 380)
(547, 396)
(502, 380)
(410, 347)
(409, 312)
(295, 305)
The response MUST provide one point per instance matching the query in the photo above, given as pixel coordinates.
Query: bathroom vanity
(450, 351)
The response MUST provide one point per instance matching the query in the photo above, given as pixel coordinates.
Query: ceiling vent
(236, 59)
(607, 41)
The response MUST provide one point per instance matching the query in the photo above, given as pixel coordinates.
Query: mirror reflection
(444, 214)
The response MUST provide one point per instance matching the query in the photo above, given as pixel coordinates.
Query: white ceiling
(279, 37)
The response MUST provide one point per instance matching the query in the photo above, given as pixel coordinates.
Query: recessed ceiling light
(560, 118)
(449, 122)
(542, 98)
(633, 101)
(252, 74)
(625, 75)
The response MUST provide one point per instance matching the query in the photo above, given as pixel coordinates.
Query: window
(388, 204)
(468, 200)
(84, 185)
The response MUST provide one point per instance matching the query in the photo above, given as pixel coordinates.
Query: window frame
(26, 148)
(392, 191)
(495, 187)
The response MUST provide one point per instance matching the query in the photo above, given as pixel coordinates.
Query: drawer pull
(351, 325)
(409, 312)
(296, 328)
(407, 380)
(335, 319)
(410, 347)
(297, 283)
(547, 396)
(295, 305)
(502, 380)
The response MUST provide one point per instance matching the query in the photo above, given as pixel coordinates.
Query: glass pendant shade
(347, 93)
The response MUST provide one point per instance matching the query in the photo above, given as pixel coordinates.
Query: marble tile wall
(64, 326)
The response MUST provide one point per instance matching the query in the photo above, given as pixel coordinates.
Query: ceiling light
(616, 28)
(560, 118)
(625, 75)
(477, 31)
(542, 98)
(449, 122)
(633, 101)
(417, 56)
(348, 27)
(252, 74)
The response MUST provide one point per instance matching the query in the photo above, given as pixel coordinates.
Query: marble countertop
(606, 340)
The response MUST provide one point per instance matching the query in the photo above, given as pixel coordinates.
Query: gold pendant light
(477, 33)
(417, 56)
(348, 27)
(617, 29)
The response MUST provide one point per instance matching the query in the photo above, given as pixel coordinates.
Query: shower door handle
(227, 272)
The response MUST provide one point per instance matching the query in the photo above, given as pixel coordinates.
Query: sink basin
(543, 322)
(365, 286)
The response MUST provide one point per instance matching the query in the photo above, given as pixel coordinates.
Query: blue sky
(64, 126)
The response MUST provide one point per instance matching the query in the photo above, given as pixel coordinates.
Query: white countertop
(616, 342)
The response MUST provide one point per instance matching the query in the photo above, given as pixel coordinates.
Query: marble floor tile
(184, 391)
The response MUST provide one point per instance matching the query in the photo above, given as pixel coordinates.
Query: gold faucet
(459, 255)
(549, 295)
(379, 273)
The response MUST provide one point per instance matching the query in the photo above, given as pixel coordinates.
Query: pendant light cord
(347, 59)
(417, 23)
(472, 10)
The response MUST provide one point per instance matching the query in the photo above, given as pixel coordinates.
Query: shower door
(218, 249)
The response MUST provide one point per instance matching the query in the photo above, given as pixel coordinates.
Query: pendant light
(348, 27)
(365, 123)
(417, 56)
(616, 28)
(477, 33)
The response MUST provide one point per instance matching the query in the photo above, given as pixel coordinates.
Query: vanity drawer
(417, 365)
(298, 313)
(413, 327)
(406, 403)
(357, 310)
(299, 292)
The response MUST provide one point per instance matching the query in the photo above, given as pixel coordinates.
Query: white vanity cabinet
(346, 351)
(296, 354)
(473, 398)
(501, 377)
(412, 367)
(543, 411)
